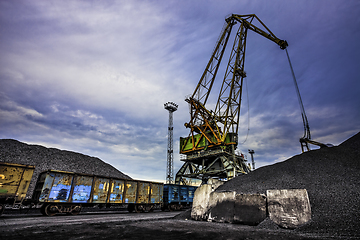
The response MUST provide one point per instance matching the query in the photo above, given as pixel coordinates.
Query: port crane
(210, 148)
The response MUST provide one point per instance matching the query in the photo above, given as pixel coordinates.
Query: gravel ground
(163, 229)
(330, 175)
(13, 151)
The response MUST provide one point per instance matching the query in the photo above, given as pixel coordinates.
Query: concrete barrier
(230, 207)
(221, 207)
(200, 207)
(289, 208)
(249, 209)
(215, 183)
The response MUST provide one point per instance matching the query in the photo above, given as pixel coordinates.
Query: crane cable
(302, 109)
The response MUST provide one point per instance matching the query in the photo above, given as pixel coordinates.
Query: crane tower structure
(209, 149)
(171, 107)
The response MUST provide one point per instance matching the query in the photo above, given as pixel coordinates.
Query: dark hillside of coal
(43, 159)
(330, 175)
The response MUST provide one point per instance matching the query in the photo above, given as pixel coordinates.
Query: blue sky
(93, 76)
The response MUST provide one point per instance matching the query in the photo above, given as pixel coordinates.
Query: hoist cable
(302, 109)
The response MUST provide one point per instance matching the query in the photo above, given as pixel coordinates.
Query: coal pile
(43, 159)
(330, 175)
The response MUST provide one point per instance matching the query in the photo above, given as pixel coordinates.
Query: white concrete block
(201, 202)
(250, 209)
(289, 208)
(221, 206)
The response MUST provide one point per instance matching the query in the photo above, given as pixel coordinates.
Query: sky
(93, 76)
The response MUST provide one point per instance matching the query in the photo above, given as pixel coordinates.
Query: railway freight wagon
(68, 192)
(177, 197)
(14, 183)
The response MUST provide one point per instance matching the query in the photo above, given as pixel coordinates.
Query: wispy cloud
(92, 76)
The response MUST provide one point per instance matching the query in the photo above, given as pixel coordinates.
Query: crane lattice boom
(220, 127)
(213, 138)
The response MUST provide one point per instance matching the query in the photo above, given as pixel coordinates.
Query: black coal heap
(330, 175)
(13, 151)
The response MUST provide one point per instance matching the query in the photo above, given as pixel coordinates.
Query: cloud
(92, 76)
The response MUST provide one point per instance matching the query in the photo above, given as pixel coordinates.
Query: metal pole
(252, 158)
(171, 107)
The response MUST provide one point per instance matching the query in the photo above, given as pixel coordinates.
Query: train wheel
(139, 208)
(76, 210)
(50, 210)
(2, 208)
(149, 208)
(172, 207)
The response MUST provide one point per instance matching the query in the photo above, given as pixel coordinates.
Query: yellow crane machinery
(213, 138)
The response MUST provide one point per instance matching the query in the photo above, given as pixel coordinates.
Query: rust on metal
(117, 191)
(101, 189)
(82, 189)
(67, 192)
(131, 191)
(156, 194)
(15, 180)
(143, 193)
(56, 187)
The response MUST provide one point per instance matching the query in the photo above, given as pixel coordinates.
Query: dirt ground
(173, 228)
(160, 229)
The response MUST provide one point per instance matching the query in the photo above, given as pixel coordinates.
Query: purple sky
(92, 76)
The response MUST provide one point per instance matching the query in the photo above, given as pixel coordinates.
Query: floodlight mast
(252, 158)
(171, 107)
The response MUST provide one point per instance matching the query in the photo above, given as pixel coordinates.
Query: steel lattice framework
(213, 138)
(171, 107)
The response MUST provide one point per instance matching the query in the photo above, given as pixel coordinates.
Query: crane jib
(225, 118)
(213, 137)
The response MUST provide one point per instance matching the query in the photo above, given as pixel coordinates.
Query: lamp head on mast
(171, 106)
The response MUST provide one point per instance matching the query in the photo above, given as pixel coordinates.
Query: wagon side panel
(156, 193)
(10, 178)
(82, 189)
(131, 191)
(191, 191)
(101, 189)
(143, 195)
(184, 194)
(15, 180)
(174, 191)
(59, 186)
(117, 191)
